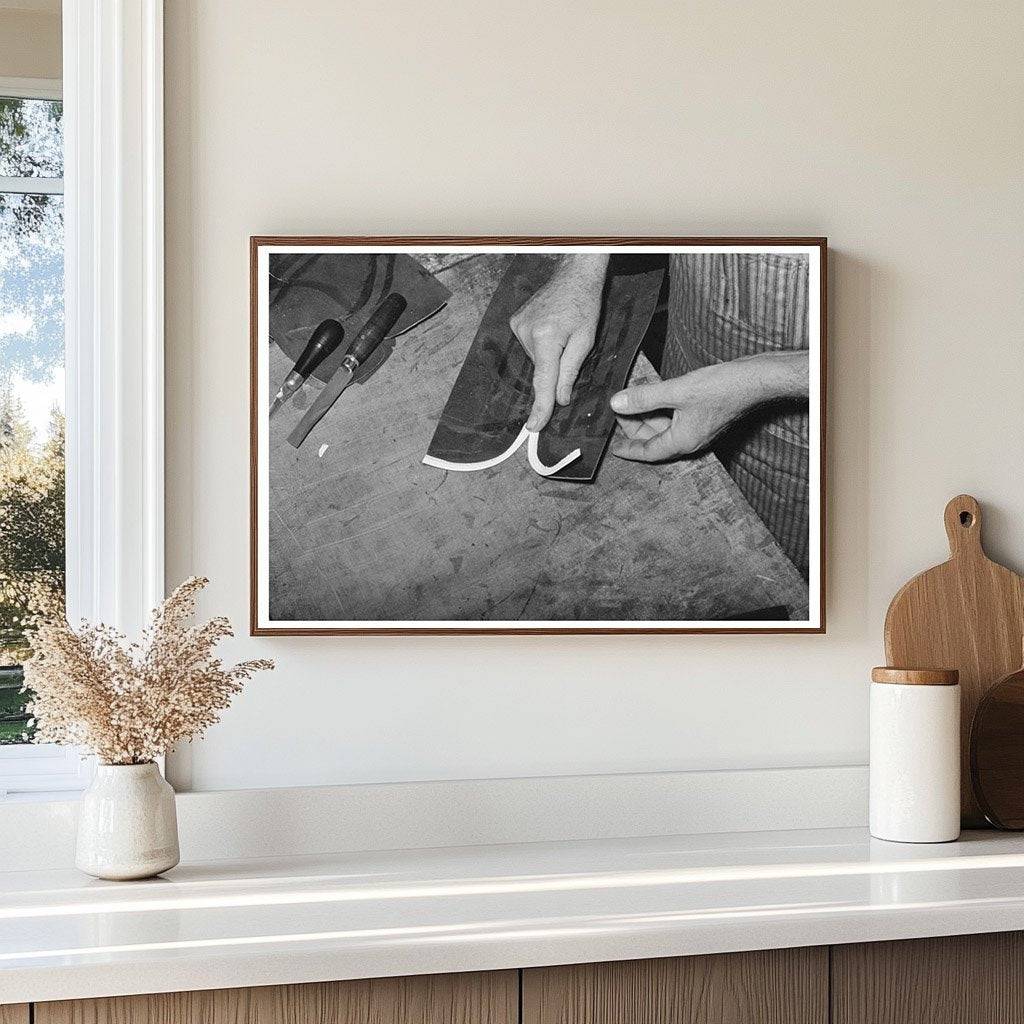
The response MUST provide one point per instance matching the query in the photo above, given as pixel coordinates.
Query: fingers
(633, 428)
(657, 448)
(543, 344)
(576, 351)
(545, 379)
(645, 398)
(639, 428)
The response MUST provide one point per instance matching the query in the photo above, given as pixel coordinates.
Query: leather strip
(492, 395)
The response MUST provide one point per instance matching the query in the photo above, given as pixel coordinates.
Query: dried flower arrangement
(130, 703)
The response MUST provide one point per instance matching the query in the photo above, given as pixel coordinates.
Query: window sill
(43, 771)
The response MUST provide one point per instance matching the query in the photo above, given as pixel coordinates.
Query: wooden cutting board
(967, 614)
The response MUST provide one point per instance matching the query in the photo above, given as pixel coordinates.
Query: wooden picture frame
(263, 623)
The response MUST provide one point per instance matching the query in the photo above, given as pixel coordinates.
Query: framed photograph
(537, 435)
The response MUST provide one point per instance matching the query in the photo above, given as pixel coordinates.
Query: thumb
(644, 398)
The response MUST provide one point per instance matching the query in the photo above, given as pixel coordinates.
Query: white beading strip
(530, 436)
(472, 467)
(531, 453)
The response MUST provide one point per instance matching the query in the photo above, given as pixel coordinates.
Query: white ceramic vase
(127, 825)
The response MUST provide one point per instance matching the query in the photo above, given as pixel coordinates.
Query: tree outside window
(31, 387)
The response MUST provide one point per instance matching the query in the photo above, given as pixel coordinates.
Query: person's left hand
(692, 410)
(697, 407)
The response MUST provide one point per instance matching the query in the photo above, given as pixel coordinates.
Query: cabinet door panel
(960, 979)
(14, 1013)
(778, 986)
(490, 998)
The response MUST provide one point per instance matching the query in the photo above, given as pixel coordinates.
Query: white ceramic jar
(127, 824)
(915, 755)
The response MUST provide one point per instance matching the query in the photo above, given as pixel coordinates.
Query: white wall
(895, 129)
(30, 39)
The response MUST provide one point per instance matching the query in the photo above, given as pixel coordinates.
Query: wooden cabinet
(491, 998)
(778, 986)
(970, 979)
(962, 979)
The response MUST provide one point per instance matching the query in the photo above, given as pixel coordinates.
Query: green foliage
(31, 136)
(31, 146)
(32, 552)
(31, 348)
(14, 726)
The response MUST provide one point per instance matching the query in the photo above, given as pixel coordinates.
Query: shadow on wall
(854, 287)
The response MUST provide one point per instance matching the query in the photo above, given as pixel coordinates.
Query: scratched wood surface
(361, 530)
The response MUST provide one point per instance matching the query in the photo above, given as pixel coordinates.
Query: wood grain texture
(480, 998)
(780, 986)
(915, 676)
(961, 979)
(14, 1013)
(967, 614)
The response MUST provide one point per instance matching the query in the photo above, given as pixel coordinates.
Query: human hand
(557, 326)
(692, 410)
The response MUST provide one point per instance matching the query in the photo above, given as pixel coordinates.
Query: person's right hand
(557, 326)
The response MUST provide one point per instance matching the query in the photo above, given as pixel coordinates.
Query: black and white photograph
(537, 435)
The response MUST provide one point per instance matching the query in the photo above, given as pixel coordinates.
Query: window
(31, 383)
(32, 513)
(84, 182)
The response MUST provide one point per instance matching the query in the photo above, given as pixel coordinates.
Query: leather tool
(322, 342)
(374, 331)
(347, 287)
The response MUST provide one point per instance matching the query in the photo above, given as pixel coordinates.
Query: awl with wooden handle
(381, 321)
(322, 342)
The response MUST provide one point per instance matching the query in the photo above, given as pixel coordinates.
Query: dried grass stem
(129, 703)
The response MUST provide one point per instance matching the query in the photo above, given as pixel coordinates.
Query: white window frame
(114, 325)
(32, 88)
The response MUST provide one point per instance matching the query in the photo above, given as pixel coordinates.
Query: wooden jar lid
(916, 676)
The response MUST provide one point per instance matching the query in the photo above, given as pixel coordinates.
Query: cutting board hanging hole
(963, 526)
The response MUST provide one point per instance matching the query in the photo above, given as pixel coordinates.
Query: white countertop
(261, 922)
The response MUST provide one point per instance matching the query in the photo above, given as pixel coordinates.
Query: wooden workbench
(360, 529)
